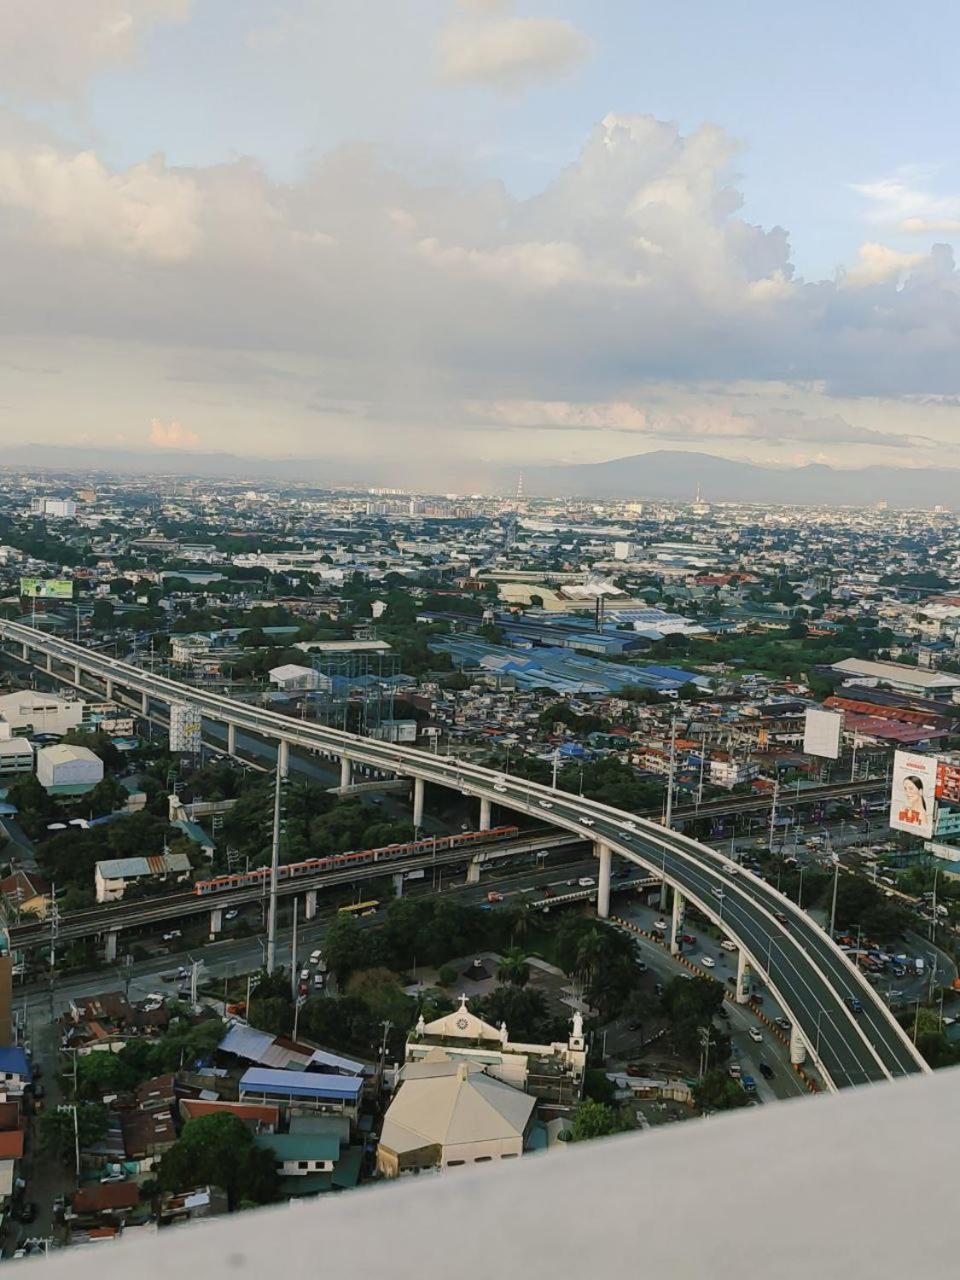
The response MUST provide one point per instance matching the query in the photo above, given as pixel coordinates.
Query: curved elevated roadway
(808, 974)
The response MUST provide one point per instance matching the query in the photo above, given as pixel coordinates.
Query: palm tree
(513, 968)
(590, 951)
(521, 918)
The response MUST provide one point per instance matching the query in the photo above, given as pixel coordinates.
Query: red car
(689, 938)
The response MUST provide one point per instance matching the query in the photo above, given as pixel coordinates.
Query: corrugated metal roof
(347, 1065)
(300, 1084)
(246, 1042)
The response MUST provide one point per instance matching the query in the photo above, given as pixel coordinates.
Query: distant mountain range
(669, 474)
(675, 474)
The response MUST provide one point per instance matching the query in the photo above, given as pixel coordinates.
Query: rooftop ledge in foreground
(862, 1183)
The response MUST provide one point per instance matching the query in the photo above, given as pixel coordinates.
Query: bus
(359, 908)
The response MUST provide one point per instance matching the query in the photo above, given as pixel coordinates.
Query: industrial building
(291, 677)
(16, 754)
(65, 767)
(112, 875)
(935, 685)
(33, 711)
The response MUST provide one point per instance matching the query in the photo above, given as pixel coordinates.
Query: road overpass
(808, 974)
(788, 798)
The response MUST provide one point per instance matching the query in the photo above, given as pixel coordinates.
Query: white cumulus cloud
(50, 48)
(171, 435)
(493, 48)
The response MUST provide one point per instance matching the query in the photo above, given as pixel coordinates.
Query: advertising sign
(948, 782)
(821, 733)
(47, 588)
(913, 797)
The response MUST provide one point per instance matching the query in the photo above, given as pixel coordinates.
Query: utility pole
(773, 813)
(706, 1044)
(668, 821)
(556, 765)
(383, 1051)
(703, 754)
(833, 904)
(293, 952)
(274, 867)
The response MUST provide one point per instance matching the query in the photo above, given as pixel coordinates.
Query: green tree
(219, 1150)
(513, 968)
(718, 1091)
(594, 1120)
(381, 992)
(55, 1131)
(348, 948)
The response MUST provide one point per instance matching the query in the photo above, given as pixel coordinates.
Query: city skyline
(525, 233)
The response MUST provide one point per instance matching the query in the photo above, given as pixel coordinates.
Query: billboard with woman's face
(913, 798)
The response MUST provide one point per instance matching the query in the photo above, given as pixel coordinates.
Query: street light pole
(833, 904)
(673, 764)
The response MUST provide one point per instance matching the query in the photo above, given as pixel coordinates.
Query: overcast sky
(506, 230)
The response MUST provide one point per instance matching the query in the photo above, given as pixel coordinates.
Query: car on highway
(587, 822)
(731, 869)
(586, 882)
(231, 914)
(316, 956)
(755, 1034)
(630, 826)
(494, 896)
(708, 962)
(765, 1070)
(318, 981)
(304, 974)
(853, 1004)
(780, 917)
(660, 926)
(499, 786)
(688, 938)
(783, 1023)
(546, 804)
(728, 945)
(174, 933)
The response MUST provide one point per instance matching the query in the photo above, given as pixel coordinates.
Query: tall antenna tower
(519, 488)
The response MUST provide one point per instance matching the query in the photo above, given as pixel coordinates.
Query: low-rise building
(33, 711)
(112, 875)
(68, 767)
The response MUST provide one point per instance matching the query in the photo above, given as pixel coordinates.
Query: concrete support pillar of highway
(485, 807)
(473, 871)
(110, 946)
(603, 881)
(108, 688)
(49, 661)
(283, 757)
(417, 803)
(216, 921)
(676, 929)
(346, 771)
(798, 1050)
(144, 703)
(231, 739)
(398, 884)
(663, 895)
(743, 979)
(25, 652)
(310, 904)
(76, 673)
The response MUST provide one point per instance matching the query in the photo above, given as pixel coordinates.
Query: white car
(728, 945)
(630, 826)
(546, 804)
(660, 926)
(732, 869)
(174, 933)
(498, 786)
(756, 1035)
(304, 975)
(586, 822)
(708, 962)
(316, 956)
(586, 882)
(231, 914)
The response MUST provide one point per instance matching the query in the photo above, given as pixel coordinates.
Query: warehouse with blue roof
(303, 1090)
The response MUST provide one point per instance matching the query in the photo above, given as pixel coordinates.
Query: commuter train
(343, 861)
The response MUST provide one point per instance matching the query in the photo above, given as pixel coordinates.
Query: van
(728, 945)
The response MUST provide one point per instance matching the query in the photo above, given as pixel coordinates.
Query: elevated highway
(809, 975)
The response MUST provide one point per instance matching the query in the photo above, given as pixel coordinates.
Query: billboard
(948, 781)
(913, 797)
(821, 733)
(47, 588)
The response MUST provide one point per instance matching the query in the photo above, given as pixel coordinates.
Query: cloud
(716, 422)
(493, 49)
(877, 264)
(400, 300)
(172, 436)
(145, 211)
(50, 48)
(901, 201)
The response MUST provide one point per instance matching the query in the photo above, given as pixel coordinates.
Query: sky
(512, 231)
